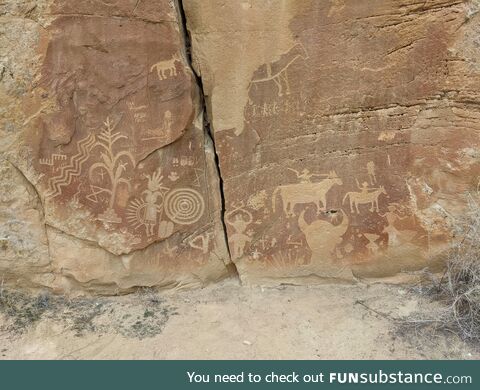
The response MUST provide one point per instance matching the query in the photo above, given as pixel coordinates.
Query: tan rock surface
(347, 131)
(104, 118)
(346, 134)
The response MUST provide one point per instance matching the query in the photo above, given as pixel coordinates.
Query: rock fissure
(206, 122)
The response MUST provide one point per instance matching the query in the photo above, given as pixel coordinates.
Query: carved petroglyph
(201, 242)
(371, 172)
(306, 192)
(73, 168)
(239, 219)
(277, 72)
(164, 130)
(51, 161)
(173, 176)
(167, 66)
(144, 212)
(366, 195)
(184, 206)
(322, 236)
(395, 236)
(184, 161)
(114, 164)
(372, 246)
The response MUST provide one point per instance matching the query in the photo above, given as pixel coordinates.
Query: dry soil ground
(225, 321)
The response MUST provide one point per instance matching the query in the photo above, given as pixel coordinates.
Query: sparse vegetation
(86, 314)
(458, 290)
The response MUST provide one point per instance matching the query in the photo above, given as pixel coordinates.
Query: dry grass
(458, 289)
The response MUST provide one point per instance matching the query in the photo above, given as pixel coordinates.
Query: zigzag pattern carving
(73, 169)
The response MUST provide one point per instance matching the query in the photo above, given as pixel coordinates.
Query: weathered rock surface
(346, 134)
(347, 131)
(109, 130)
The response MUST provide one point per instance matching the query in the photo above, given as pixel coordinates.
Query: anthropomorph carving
(367, 195)
(239, 219)
(395, 236)
(306, 192)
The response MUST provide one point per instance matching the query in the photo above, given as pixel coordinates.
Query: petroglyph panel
(350, 158)
(119, 155)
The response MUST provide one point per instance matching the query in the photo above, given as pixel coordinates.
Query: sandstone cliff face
(347, 131)
(346, 134)
(109, 131)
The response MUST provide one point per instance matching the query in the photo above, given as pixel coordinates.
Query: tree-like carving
(114, 165)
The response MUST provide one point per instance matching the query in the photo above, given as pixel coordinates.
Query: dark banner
(239, 374)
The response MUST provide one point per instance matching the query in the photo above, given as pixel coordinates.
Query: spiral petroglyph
(184, 206)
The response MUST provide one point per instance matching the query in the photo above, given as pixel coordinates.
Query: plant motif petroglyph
(73, 168)
(167, 66)
(239, 219)
(322, 236)
(367, 195)
(277, 72)
(306, 192)
(114, 165)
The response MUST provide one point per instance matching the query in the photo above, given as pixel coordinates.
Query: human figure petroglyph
(277, 72)
(145, 212)
(371, 172)
(167, 66)
(305, 175)
(239, 219)
(164, 130)
(367, 195)
(322, 236)
(154, 190)
(372, 246)
(306, 192)
(394, 235)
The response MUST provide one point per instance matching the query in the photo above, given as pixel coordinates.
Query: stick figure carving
(239, 219)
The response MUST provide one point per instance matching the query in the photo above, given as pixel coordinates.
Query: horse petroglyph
(167, 66)
(367, 195)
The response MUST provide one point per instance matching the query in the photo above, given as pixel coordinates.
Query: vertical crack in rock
(206, 125)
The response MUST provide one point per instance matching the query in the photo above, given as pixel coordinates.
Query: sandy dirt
(226, 321)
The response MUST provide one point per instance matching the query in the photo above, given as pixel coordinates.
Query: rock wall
(347, 131)
(345, 139)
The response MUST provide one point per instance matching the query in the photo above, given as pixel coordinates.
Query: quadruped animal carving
(367, 195)
(306, 192)
(167, 68)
